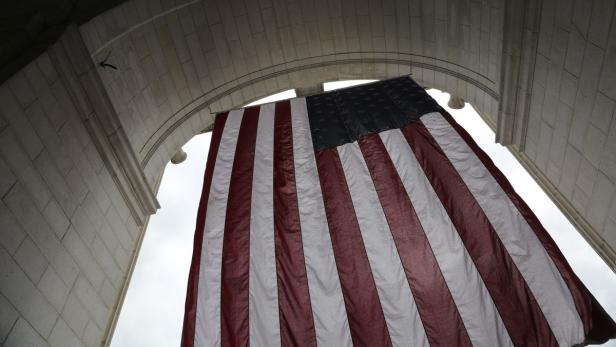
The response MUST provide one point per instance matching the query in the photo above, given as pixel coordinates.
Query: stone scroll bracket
(79, 73)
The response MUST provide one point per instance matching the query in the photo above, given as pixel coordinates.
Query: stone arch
(196, 59)
(82, 147)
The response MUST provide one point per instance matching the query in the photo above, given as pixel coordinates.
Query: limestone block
(108, 293)
(75, 314)
(54, 290)
(122, 258)
(25, 297)
(91, 301)
(31, 220)
(8, 317)
(34, 184)
(14, 114)
(7, 178)
(570, 168)
(603, 112)
(48, 135)
(95, 214)
(543, 147)
(602, 195)
(76, 185)
(21, 88)
(82, 225)
(83, 257)
(56, 218)
(541, 70)
(579, 122)
(607, 83)
(593, 145)
(580, 200)
(31, 260)
(553, 172)
(568, 89)
(24, 335)
(92, 335)
(608, 157)
(591, 69)
(106, 261)
(581, 15)
(564, 114)
(54, 179)
(46, 67)
(119, 228)
(108, 237)
(608, 233)
(62, 336)
(558, 50)
(550, 108)
(587, 176)
(557, 151)
(600, 19)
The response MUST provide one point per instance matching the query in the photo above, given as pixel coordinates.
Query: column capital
(455, 102)
(309, 90)
(179, 157)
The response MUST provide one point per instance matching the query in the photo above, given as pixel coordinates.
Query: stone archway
(197, 58)
(82, 146)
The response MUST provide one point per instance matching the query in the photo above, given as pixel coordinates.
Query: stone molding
(206, 100)
(520, 39)
(78, 71)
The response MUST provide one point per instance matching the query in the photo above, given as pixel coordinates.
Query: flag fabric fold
(368, 217)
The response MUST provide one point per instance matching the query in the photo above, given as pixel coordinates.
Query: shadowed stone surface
(82, 147)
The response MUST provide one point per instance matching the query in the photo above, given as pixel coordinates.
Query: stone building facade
(83, 146)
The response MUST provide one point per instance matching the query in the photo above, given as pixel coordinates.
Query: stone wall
(82, 147)
(571, 138)
(72, 208)
(66, 236)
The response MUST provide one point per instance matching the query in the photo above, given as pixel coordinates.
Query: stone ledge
(520, 41)
(77, 70)
(206, 100)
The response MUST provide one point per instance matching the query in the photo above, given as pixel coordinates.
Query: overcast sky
(154, 306)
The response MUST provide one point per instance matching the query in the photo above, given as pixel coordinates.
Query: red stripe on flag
(236, 247)
(190, 311)
(516, 305)
(438, 311)
(296, 321)
(364, 311)
(587, 307)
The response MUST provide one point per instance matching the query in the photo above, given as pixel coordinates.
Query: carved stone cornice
(519, 51)
(78, 72)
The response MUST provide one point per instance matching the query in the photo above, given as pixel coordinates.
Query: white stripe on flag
(328, 309)
(264, 323)
(527, 252)
(401, 315)
(478, 312)
(207, 323)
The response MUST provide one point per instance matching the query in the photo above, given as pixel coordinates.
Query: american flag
(368, 217)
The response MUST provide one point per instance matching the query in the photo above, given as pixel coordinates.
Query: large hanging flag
(368, 217)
